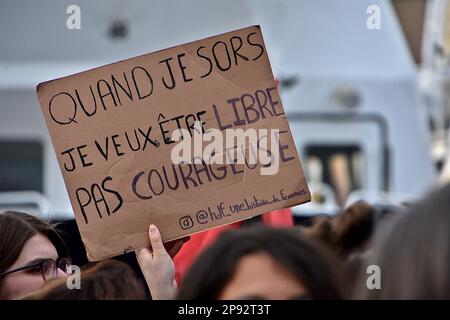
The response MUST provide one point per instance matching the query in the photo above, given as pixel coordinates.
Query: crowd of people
(328, 259)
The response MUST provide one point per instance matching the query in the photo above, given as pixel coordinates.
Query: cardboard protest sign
(114, 130)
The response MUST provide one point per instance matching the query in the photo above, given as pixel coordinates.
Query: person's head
(353, 228)
(31, 253)
(106, 280)
(412, 251)
(347, 232)
(262, 263)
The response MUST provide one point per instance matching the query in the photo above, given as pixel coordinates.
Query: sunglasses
(47, 267)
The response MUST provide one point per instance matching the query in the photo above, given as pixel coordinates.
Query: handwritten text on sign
(112, 128)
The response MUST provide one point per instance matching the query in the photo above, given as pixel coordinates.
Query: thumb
(156, 240)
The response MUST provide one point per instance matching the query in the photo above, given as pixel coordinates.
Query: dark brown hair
(105, 280)
(16, 228)
(412, 250)
(347, 232)
(304, 258)
(348, 235)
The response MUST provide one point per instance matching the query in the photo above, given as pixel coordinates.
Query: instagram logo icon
(186, 222)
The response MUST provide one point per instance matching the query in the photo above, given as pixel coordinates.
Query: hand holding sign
(187, 138)
(157, 265)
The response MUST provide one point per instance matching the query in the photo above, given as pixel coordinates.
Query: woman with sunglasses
(31, 254)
